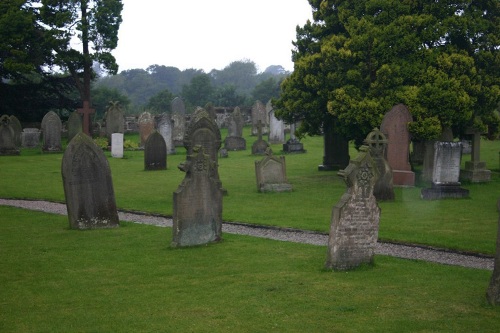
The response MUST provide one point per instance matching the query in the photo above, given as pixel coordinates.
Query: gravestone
(166, 131)
(30, 137)
(117, 145)
(7, 137)
(197, 216)
(259, 114)
(146, 126)
(51, 131)
(445, 173)
(475, 170)
(203, 131)
(18, 129)
(493, 292)
(115, 122)
(179, 121)
(86, 111)
(355, 218)
(271, 174)
(155, 152)
(377, 143)
(293, 145)
(88, 186)
(336, 148)
(74, 125)
(276, 127)
(234, 139)
(260, 146)
(395, 128)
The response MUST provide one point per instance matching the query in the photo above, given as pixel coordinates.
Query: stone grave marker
(276, 127)
(493, 292)
(18, 129)
(336, 148)
(377, 143)
(51, 131)
(74, 125)
(475, 170)
(86, 111)
(7, 137)
(395, 128)
(260, 146)
(234, 139)
(259, 114)
(271, 174)
(88, 186)
(179, 121)
(293, 145)
(203, 131)
(166, 131)
(446, 172)
(115, 121)
(355, 218)
(155, 152)
(146, 126)
(117, 145)
(30, 137)
(197, 216)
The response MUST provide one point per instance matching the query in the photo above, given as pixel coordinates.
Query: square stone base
(475, 172)
(403, 178)
(440, 191)
(293, 147)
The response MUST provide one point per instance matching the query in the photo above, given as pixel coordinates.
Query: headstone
(146, 126)
(51, 131)
(466, 147)
(293, 145)
(115, 122)
(260, 146)
(234, 139)
(395, 128)
(377, 143)
(197, 217)
(493, 292)
(18, 129)
(7, 137)
(88, 186)
(445, 173)
(30, 137)
(86, 111)
(355, 218)
(336, 148)
(179, 121)
(276, 127)
(74, 125)
(117, 145)
(271, 174)
(418, 152)
(259, 114)
(166, 131)
(475, 170)
(155, 152)
(203, 131)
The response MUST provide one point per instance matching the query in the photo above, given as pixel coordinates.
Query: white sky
(208, 34)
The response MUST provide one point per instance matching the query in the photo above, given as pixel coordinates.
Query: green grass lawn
(128, 279)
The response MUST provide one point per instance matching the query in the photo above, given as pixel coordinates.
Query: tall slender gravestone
(276, 126)
(88, 186)
(74, 125)
(146, 126)
(234, 139)
(18, 129)
(259, 114)
(383, 188)
(493, 292)
(166, 131)
(179, 121)
(355, 218)
(475, 170)
(7, 137)
(395, 128)
(155, 152)
(271, 174)
(336, 148)
(51, 131)
(115, 121)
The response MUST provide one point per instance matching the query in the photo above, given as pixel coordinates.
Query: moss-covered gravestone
(88, 186)
(493, 293)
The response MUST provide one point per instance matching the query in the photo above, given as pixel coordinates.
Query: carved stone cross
(86, 111)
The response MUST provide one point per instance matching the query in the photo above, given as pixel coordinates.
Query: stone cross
(377, 142)
(476, 143)
(86, 111)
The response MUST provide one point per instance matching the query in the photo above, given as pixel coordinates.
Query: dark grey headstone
(336, 148)
(51, 131)
(74, 125)
(88, 186)
(7, 137)
(155, 152)
(18, 128)
(493, 292)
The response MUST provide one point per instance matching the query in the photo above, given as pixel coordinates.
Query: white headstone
(117, 145)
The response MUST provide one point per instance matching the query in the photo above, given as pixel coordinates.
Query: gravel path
(441, 256)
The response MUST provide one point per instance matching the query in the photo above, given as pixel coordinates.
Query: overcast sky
(208, 34)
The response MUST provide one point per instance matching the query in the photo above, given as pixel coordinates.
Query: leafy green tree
(198, 92)
(240, 74)
(161, 102)
(227, 96)
(102, 96)
(266, 90)
(359, 58)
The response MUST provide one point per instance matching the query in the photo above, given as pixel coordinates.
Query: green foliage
(101, 142)
(161, 102)
(198, 92)
(266, 90)
(130, 145)
(102, 96)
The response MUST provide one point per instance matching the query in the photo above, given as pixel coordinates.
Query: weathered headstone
(203, 131)
(293, 145)
(336, 148)
(30, 137)
(383, 188)
(117, 145)
(166, 131)
(197, 217)
(18, 129)
(115, 122)
(271, 174)
(234, 139)
(259, 114)
(395, 128)
(493, 292)
(260, 146)
(7, 137)
(475, 170)
(88, 186)
(146, 126)
(51, 131)
(74, 125)
(155, 152)
(355, 218)
(445, 173)
(86, 111)
(179, 121)
(276, 126)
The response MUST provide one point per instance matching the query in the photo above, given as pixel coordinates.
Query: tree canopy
(359, 58)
